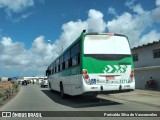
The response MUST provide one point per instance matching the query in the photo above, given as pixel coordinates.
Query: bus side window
(75, 60)
(58, 68)
(75, 54)
(53, 71)
(63, 65)
(67, 58)
(48, 72)
(70, 62)
(66, 64)
(78, 58)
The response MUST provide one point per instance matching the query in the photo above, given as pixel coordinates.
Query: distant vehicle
(24, 82)
(28, 81)
(20, 82)
(93, 63)
(44, 82)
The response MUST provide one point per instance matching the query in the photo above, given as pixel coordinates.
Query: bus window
(75, 50)
(66, 59)
(48, 72)
(70, 62)
(75, 60)
(61, 59)
(106, 48)
(75, 54)
(63, 65)
(57, 62)
(58, 68)
(53, 71)
(67, 55)
(66, 64)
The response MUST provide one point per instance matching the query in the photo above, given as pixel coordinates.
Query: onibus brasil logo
(115, 68)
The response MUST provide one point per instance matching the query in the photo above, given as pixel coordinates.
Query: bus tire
(62, 91)
(94, 95)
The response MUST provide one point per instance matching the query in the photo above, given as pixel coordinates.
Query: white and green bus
(93, 63)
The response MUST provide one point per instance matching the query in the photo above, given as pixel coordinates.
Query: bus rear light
(131, 79)
(85, 72)
(86, 76)
(132, 73)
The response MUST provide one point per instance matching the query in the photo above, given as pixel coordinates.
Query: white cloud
(130, 3)
(149, 38)
(135, 25)
(16, 5)
(158, 2)
(11, 52)
(136, 8)
(72, 30)
(17, 10)
(131, 25)
(111, 10)
(14, 55)
(22, 17)
(95, 21)
(156, 14)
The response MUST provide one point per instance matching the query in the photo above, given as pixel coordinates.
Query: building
(35, 79)
(147, 63)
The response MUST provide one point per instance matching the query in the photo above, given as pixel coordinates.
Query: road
(34, 98)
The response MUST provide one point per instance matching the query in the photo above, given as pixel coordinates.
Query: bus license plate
(110, 77)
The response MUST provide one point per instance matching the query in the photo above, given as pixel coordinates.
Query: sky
(33, 32)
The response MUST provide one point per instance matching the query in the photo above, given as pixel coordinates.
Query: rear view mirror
(48, 72)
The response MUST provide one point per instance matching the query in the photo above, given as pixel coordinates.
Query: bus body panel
(71, 80)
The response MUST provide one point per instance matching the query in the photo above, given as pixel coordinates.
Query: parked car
(24, 82)
(20, 81)
(44, 82)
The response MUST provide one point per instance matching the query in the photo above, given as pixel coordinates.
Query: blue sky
(27, 25)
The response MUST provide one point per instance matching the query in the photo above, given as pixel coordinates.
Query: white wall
(145, 56)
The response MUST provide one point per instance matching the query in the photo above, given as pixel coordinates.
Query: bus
(93, 63)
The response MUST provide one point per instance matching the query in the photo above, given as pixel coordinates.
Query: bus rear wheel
(62, 91)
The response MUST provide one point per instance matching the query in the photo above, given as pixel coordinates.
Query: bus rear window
(106, 45)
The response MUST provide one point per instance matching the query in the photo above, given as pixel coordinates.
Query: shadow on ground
(78, 101)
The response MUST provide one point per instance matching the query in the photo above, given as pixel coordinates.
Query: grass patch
(7, 90)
